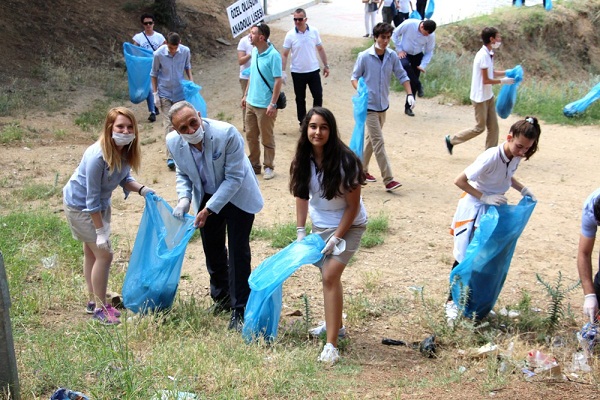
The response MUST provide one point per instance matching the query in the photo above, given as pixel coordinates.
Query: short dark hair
(300, 11)
(429, 26)
(173, 38)
(382, 28)
(487, 34)
(146, 15)
(597, 210)
(264, 29)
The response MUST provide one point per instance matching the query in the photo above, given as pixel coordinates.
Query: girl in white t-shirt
(326, 178)
(485, 182)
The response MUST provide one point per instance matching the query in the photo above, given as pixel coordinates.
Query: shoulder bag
(281, 100)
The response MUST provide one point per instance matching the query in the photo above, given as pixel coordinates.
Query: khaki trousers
(485, 117)
(258, 123)
(374, 144)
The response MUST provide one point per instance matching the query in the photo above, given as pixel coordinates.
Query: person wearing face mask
(376, 65)
(482, 96)
(214, 175)
(87, 202)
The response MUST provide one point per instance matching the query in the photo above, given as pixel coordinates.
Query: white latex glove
(507, 81)
(493, 199)
(590, 306)
(103, 237)
(334, 246)
(300, 233)
(182, 208)
(284, 77)
(527, 192)
(145, 190)
(156, 99)
(411, 100)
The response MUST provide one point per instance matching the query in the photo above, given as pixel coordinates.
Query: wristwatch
(274, 105)
(326, 66)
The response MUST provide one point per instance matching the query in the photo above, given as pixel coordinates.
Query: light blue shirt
(169, 70)
(406, 37)
(269, 62)
(378, 75)
(91, 185)
(589, 225)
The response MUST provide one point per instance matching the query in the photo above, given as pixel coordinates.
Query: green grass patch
(93, 118)
(12, 132)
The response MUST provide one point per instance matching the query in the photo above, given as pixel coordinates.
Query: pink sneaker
(369, 177)
(112, 311)
(103, 317)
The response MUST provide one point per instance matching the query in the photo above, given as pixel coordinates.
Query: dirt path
(418, 249)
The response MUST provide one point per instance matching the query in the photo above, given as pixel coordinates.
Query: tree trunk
(166, 12)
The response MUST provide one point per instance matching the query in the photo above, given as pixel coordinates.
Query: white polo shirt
(492, 171)
(303, 49)
(245, 46)
(479, 91)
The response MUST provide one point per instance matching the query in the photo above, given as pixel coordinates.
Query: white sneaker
(269, 174)
(451, 313)
(329, 354)
(321, 328)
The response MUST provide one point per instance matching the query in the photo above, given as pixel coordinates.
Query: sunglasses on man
(148, 23)
(299, 19)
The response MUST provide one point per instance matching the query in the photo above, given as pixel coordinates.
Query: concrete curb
(282, 14)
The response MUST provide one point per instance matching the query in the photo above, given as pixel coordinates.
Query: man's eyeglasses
(148, 23)
(299, 19)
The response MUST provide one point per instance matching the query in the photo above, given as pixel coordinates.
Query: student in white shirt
(485, 182)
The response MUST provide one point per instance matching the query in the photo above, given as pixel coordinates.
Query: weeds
(94, 117)
(557, 294)
(11, 132)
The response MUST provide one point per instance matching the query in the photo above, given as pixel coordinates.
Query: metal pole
(265, 7)
(9, 377)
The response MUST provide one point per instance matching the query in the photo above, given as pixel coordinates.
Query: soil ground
(417, 250)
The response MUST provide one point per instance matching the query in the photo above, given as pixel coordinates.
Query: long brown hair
(131, 154)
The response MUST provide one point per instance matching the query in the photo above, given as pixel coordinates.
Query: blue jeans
(150, 102)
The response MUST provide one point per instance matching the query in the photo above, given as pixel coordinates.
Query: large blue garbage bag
(191, 92)
(519, 3)
(139, 65)
(488, 257)
(579, 106)
(548, 5)
(414, 14)
(430, 8)
(508, 93)
(263, 308)
(360, 101)
(155, 264)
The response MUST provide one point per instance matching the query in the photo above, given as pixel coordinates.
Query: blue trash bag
(191, 91)
(430, 8)
(414, 14)
(508, 93)
(360, 101)
(484, 269)
(263, 308)
(519, 3)
(139, 65)
(579, 106)
(155, 264)
(68, 394)
(548, 5)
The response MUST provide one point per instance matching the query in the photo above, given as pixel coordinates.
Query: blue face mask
(122, 139)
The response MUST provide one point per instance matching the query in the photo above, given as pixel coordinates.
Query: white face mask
(194, 138)
(496, 45)
(122, 139)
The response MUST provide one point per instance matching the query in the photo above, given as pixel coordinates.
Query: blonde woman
(105, 165)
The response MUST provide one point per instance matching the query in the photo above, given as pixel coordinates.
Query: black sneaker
(156, 111)
(449, 145)
(152, 117)
(409, 112)
(420, 92)
(171, 164)
(237, 320)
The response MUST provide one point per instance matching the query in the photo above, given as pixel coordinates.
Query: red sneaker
(369, 177)
(393, 185)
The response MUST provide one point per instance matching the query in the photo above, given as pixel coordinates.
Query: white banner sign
(243, 14)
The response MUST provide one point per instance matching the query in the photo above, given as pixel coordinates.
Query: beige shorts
(82, 226)
(352, 238)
